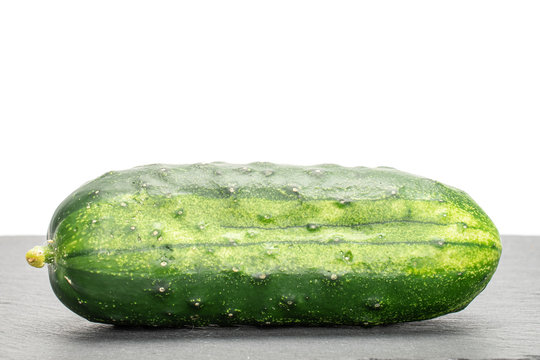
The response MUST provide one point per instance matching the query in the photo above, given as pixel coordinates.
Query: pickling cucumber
(266, 244)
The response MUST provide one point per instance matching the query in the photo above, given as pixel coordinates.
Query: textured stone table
(502, 322)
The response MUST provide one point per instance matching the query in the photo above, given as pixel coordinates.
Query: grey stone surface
(502, 322)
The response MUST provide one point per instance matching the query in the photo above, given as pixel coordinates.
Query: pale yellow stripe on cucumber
(342, 258)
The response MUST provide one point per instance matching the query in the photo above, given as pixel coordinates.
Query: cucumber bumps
(202, 244)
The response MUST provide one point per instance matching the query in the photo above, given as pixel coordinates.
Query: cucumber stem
(38, 256)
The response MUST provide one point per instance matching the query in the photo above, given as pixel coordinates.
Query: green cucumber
(204, 244)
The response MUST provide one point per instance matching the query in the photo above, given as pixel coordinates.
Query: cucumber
(266, 244)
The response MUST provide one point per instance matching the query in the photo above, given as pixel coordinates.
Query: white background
(444, 89)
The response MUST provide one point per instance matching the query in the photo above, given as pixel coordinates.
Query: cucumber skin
(268, 244)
